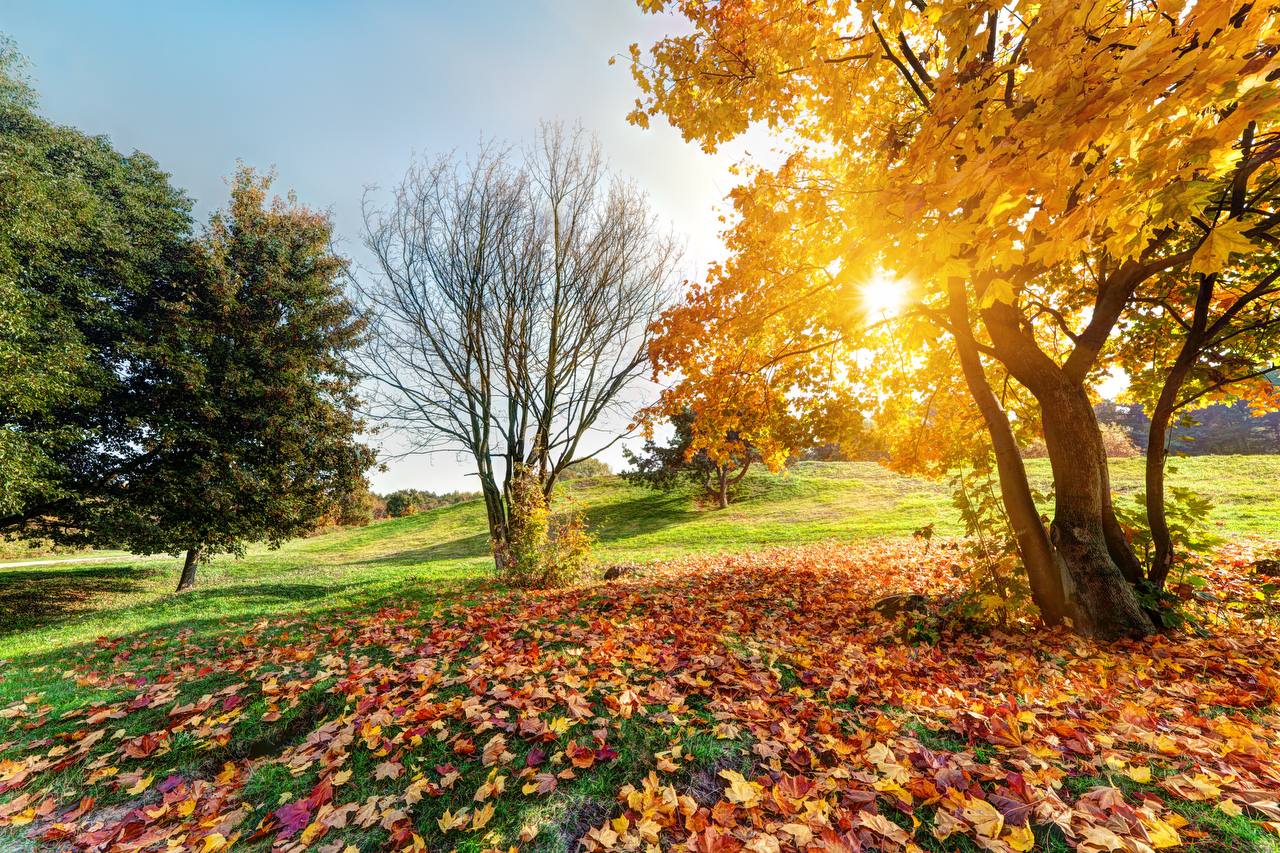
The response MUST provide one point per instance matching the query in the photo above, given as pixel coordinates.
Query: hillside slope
(447, 549)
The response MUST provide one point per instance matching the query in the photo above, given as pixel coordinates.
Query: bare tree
(511, 303)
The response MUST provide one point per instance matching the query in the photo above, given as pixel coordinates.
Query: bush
(1117, 442)
(586, 470)
(404, 502)
(541, 551)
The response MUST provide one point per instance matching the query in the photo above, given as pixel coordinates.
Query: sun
(883, 296)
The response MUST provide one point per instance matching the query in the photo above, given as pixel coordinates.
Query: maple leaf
(1215, 250)
(580, 756)
(495, 751)
(543, 783)
(741, 791)
(482, 816)
(388, 770)
(448, 821)
(292, 817)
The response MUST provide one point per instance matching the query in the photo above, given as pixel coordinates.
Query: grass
(438, 562)
(445, 551)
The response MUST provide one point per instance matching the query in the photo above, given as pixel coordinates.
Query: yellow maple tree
(1028, 167)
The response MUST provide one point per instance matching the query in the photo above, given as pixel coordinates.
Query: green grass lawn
(82, 640)
(47, 608)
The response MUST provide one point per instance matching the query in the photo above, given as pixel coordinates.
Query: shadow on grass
(616, 522)
(475, 545)
(610, 523)
(38, 597)
(209, 613)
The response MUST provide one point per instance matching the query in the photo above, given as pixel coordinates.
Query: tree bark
(722, 495)
(1157, 454)
(1045, 571)
(188, 578)
(1101, 601)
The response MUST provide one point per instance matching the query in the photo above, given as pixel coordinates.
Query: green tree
(85, 233)
(666, 467)
(253, 432)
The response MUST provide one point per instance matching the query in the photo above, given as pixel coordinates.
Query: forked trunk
(1045, 571)
(188, 579)
(1100, 599)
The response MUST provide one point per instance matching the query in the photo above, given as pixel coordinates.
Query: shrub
(1117, 442)
(587, 469)
(541, 551)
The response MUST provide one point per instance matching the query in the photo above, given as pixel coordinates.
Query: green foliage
(252, 435)
(404, 502)
(541, 551)
(86, 233)
(996, 587)
(667, 467)
(587, 469)
(1188, 513)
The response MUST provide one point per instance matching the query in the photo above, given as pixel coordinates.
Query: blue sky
(338, 96)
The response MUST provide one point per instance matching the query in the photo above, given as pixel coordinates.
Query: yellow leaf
(1021, 838)
(341, 777)
(998, 290)
(1161, 834)
(1230, 807)
(141, 785)
(1138, 774)
(1223, 239)
(482, 816)
(740, 791)
(213, 842)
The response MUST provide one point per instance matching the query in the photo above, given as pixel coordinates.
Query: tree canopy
(254, 431)
(86, 233)
(1027, 174)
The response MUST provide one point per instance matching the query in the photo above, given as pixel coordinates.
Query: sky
(338, 97)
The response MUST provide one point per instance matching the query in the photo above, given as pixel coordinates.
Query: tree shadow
(36, 597)
(476, 545)
(613, 523)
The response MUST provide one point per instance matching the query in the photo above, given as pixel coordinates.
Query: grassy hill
(372, 688)
(445, 550)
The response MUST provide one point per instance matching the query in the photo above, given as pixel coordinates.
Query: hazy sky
(337, 96)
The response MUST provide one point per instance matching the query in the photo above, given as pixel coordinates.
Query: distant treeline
(1217, 429)
(404, 502)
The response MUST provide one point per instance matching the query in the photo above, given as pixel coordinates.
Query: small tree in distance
(666, 467)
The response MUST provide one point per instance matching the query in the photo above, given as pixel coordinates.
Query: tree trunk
(1100, 600)
(1157, 521)
(495, 509)
(188, 579)
(1162, 417)
(1045, 571)
(722, 495)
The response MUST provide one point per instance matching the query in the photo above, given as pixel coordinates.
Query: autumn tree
(512, 302)
(253, 432)
(666, 466)
(1027, 170)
